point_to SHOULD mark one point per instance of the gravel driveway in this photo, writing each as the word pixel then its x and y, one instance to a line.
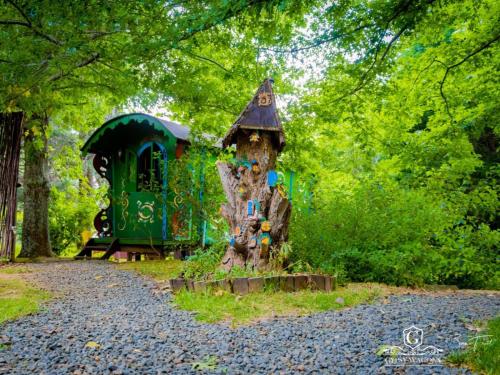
pixel 140 332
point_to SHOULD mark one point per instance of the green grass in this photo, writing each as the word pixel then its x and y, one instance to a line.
pixel 17 298
pixel 208 363
pixel 483 351
pixel 215 307
pixel 9 270
pixel 160 270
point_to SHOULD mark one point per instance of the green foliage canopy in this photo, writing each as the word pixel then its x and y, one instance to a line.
pixel 389 106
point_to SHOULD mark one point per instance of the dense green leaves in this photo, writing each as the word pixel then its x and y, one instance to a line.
pixel 391 107
pixel 424 130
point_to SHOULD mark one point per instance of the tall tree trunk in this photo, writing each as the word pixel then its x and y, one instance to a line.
pixel 11 130
pixel 35 239
pixel 257 212
pixel 257 209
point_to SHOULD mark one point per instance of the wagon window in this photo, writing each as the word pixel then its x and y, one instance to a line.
pixel 149 166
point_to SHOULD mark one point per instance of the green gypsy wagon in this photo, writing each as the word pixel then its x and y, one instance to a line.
pixel 155 206
pixel 133 152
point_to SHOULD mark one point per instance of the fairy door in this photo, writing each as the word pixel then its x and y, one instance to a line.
pixel 141 206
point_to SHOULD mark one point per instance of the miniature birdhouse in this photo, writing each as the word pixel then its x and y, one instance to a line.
pixel 263 211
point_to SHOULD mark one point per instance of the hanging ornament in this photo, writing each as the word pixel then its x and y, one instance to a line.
pixel 266 226
pixel 265 156
pixel 272 178
pixel 255 168
pixel 237 230
pixel 254 137
pixel 257 205
pixel 265 239
pixel 250 208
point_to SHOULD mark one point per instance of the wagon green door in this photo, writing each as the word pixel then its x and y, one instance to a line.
pixel 141 215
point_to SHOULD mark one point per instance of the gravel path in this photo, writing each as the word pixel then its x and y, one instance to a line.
pixel 140 332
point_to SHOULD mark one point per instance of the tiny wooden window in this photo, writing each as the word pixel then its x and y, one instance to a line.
pixel 149 167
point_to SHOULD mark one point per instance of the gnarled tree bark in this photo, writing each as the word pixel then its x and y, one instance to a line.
pixel 11 130
pixel 254 209
pixel 257 209
pixel 35 238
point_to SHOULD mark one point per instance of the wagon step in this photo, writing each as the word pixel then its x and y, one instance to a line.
pixel 97 247
pixel 91 245
pixel 113 247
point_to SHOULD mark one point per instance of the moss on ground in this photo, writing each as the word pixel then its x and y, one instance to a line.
pixel 219 306
pixel 17 297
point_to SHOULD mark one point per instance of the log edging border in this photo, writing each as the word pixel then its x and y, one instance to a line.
pixel 246 285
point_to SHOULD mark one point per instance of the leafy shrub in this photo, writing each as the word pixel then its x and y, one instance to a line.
pixel 204 261
pixel 469 257
pixel 395 236
pixel 70 213
pixel 204 264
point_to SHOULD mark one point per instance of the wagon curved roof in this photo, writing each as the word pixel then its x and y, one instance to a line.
pixel 119 129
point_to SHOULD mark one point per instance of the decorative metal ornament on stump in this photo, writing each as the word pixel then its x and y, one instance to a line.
pixel 257 209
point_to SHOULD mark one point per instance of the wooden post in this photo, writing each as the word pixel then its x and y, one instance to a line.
pixel 257 208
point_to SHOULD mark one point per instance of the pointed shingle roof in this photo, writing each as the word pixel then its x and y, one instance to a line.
pixel 260 114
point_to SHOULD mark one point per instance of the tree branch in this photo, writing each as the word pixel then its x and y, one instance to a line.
pixel 203 58
pixel 317 42
pixel 82 64
pixel 29 25
pixel 231 12
pixel 112 67
pixel 423 70
pixel 364 78
pixel 98 34
pixel 14 22
pixel 463 60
